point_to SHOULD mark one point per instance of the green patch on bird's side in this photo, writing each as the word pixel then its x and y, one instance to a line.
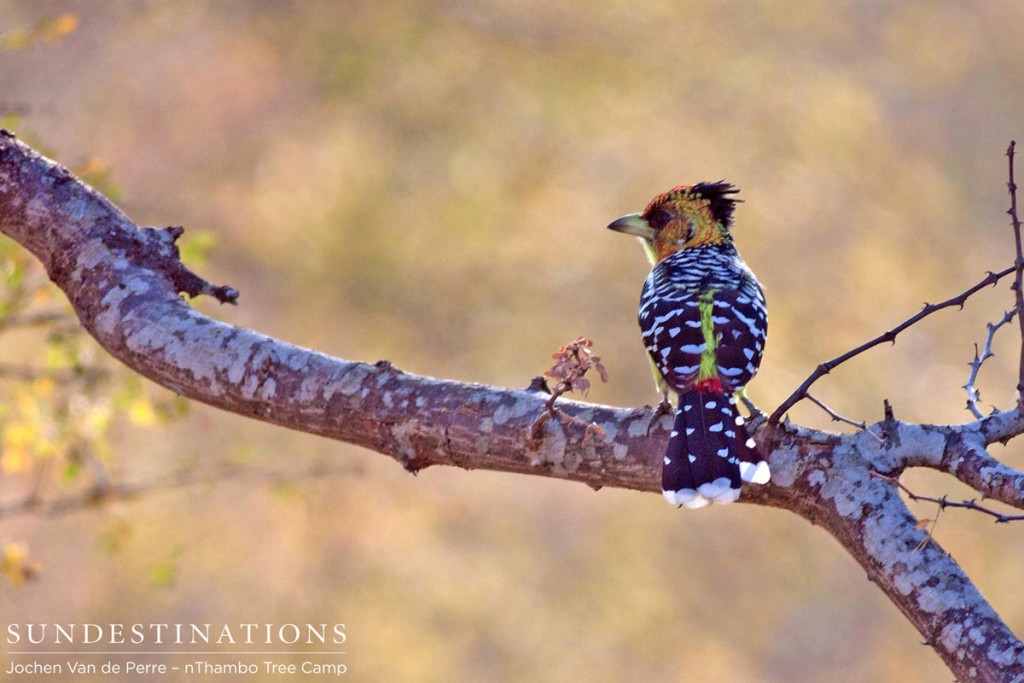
pixel 709 356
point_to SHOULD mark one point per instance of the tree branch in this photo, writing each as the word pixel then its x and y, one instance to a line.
pixel 872 523
pixel 967 459
pixel 123 283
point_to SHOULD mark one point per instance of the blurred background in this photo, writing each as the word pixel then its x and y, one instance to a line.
pixel 429 182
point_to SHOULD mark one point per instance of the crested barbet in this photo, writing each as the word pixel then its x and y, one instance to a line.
pixel 703 321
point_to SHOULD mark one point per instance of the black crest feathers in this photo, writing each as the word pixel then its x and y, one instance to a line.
pixel 720 199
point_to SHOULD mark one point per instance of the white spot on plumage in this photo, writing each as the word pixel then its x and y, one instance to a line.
pixel 749 353
pixel 693 348
pixel 673 332
pixel 674 433
pixel 689 430
pixel 709 404
pixel 717 427
pixel 739 420
pixel 758 473
pixel 750 443
pixel 663 318
pixel 692 458
pixel 666 461
pixel 723 452
pixel 749 322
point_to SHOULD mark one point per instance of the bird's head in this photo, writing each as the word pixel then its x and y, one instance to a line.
pixel 684 217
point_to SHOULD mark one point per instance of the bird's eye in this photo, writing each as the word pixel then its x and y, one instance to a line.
pixel 659 219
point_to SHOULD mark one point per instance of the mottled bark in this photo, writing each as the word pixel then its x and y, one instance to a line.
pixel 124 282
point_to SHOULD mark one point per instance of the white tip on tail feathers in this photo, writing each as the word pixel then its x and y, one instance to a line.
pixel 720 490
pixel 686 497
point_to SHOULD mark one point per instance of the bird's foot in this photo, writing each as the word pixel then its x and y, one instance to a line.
pixel 663 408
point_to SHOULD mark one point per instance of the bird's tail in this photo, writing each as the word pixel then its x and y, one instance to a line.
pixel 709 454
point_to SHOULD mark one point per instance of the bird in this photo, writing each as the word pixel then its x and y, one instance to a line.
pixel 704 322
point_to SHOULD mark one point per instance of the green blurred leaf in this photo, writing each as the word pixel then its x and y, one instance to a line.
pixel 165 573
pixel 50 30
pixel 195 247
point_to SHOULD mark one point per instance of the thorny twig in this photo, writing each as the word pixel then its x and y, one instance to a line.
pixel 889 336
pixel 1018 285
pixel 572 362
pixel 944 502
pixel 836 417
pixel 973 395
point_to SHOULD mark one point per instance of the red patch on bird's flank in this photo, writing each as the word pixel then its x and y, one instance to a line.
pixel 712 385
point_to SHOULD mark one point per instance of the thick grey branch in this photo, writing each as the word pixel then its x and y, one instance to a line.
pixel 959 450
pixel 969 461
pixel 831 485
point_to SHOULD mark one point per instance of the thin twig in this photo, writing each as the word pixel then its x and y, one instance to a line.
pixel 944 503
pixel 1018 284
pixel 973 395
pixel 34 319
pixel 836 417
pixel 890 336
pixel 102 492
pixel 26 373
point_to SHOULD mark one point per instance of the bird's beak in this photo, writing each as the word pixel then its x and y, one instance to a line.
pixel 634 224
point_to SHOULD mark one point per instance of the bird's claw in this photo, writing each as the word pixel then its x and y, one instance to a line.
pixel 663 408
